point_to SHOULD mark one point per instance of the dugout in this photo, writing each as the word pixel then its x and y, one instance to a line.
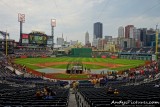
pixel 81 52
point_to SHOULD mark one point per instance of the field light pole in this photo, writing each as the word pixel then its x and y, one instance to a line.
pixel 21 19
pixel 53 24
pixel 157 33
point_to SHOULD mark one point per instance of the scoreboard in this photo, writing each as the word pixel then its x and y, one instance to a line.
pixel 37 38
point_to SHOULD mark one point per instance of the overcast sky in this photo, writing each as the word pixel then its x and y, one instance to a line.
pixel 75 17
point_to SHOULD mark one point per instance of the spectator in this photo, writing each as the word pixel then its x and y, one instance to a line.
pixel 116 92
pixel 52 94
pixel 94 82
pixel 110 91
pixel 75 86
pixel 102 82
pixel 46 91
pixel 39 94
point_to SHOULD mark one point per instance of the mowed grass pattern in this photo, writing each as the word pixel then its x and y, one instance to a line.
pixel 29 62
pixel 85 65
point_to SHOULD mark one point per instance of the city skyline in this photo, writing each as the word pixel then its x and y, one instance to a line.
pixel 73 20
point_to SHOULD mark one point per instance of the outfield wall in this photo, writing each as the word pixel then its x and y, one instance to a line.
pixel 81 52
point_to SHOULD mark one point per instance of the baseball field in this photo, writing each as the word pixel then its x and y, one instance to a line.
pixel 92 63
pixel 60 63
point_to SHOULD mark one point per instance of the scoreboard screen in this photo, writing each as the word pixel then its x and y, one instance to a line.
pixel 37 39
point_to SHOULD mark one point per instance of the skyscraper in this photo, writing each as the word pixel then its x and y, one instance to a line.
pixel 132 32
pixel 86 38
pixel 127 31
pixel 98 30
pixel 121 32
pixel 143 33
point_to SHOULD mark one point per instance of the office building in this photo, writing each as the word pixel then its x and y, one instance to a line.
pixel 98 30
pixel 86 38
pixel 121 32
pixel 127 30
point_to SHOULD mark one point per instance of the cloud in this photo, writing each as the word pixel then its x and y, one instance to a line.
pixel 75 17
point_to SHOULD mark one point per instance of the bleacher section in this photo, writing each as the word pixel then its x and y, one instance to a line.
pixel 126 49
pixel 148 50
pixel 134 50
pixel 24 96
pixel 144 53
pixel 98 97
pixel 85 84
pixel 19 91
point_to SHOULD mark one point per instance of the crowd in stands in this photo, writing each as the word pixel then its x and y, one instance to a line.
pixel 31 53
pixel 128 76
pixel 136 75
pixel 148 71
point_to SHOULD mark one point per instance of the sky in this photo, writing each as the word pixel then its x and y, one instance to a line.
pixel 75 17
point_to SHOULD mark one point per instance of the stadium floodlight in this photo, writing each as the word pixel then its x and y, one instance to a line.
pixel 53 22
pixel 21 17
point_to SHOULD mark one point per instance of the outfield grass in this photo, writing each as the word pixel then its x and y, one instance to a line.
pixel 84 65
pixel 29 62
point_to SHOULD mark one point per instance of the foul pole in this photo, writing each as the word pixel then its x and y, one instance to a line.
pixel 157 33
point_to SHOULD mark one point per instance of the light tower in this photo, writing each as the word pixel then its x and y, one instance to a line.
pixel 53 24
pixel 21 19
